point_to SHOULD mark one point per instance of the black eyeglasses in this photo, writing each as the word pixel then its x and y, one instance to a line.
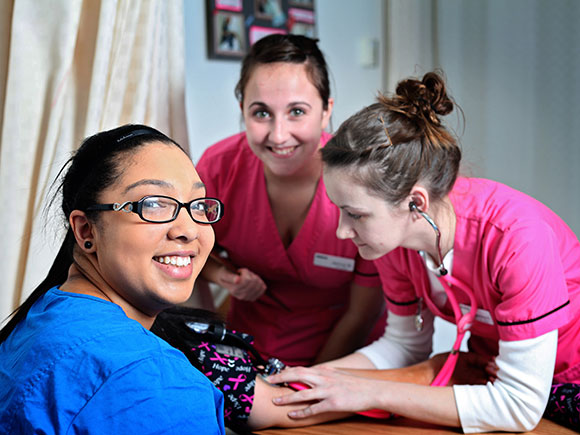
pixel 161 209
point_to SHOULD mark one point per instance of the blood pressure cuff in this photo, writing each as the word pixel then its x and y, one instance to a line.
pixel 220 354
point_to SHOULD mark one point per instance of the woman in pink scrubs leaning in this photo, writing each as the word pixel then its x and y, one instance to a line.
pixel 392 171
pixel 303 294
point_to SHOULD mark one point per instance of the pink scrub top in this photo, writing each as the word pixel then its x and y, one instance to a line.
pixel 308 283
pixel 522 263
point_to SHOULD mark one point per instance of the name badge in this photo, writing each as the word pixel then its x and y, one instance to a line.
pixel 481 315
pixel 334 262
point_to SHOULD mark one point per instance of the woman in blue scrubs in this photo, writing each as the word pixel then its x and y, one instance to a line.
pixel 77 356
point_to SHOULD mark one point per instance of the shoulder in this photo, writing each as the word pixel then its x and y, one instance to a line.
pixel 494 205
pixel 506 227
pixel 226 158
pixel 224 149
pixel 325 137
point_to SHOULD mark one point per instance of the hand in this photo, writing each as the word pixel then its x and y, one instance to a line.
pixel 243 284
pixel 331 390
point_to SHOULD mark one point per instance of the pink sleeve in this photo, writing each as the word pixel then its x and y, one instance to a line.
pixel 204 170
pixel 400 271
pixel 529 275
pixel 365 273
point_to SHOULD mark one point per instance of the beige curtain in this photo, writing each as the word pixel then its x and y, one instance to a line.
pixel 69 68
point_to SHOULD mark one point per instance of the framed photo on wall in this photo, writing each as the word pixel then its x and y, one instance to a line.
pixel 229 36
pixel 234 25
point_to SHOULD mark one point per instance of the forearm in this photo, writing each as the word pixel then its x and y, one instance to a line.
pixel 265 414
pixel 355 360
pixel 421 374
pixel 419 402
pixel 366 304
pixel 470 369
pixel 210 271
pixel 348 335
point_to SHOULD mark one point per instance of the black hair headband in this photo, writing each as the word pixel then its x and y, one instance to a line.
pixel 135 133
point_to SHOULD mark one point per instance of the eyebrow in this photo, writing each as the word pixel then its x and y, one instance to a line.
pixel 292 103
pixel 352 208
pixel 161 183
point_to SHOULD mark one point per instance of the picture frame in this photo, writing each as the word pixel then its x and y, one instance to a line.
pixel 229 38
pixel 234 25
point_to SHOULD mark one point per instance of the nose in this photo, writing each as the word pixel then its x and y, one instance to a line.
pixel 184 228
pixel 279 131
pixel 343 231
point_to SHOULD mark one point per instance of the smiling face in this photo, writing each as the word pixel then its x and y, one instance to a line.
pixel 152 266
pixel 284 116
pixel 373 225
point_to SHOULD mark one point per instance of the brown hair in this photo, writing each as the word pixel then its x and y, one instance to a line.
pixel 287 48
pixel 398 141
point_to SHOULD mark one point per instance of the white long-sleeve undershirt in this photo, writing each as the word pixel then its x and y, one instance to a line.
pixel 517 399
pixel 514 402
pixel 401 345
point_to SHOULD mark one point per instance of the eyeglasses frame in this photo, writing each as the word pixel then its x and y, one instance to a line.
pixel 137 208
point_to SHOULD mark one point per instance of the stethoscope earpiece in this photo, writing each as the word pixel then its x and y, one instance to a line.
pixel 413 207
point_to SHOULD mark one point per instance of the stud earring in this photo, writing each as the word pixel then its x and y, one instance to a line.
pixel 88 245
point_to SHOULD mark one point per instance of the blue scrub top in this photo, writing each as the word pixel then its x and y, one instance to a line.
pixel 78 364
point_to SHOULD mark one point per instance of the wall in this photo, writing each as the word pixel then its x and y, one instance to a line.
pixel 343 25
pixel 514 68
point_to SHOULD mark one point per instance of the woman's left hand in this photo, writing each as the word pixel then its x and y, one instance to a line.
pixel 331 390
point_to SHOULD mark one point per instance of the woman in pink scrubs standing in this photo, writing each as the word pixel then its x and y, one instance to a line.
pixel 392 169
pixel 303 294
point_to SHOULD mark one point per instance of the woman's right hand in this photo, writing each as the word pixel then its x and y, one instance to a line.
pixel 242 284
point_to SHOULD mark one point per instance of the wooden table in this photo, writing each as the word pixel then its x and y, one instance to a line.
pixel 399 426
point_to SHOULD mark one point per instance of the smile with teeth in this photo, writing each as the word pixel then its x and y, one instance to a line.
pixel 283 151
pixel 174 260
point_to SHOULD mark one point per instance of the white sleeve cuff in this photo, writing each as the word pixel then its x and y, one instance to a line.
pixel 401 345
pixel 516 401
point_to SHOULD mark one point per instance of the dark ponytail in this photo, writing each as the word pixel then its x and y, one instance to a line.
pixel 95 166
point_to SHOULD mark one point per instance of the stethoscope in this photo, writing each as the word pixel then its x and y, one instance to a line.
pixel 463 321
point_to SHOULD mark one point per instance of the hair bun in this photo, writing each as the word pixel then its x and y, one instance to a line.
pixel 426 99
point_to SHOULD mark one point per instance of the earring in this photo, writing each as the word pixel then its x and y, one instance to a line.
pixel 88 245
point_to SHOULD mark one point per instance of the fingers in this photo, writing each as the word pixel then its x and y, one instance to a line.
pixel 244 285
pixel 301 396
pixel 228 277
pixel 289 374
pixel 252 282
pixel 492 369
